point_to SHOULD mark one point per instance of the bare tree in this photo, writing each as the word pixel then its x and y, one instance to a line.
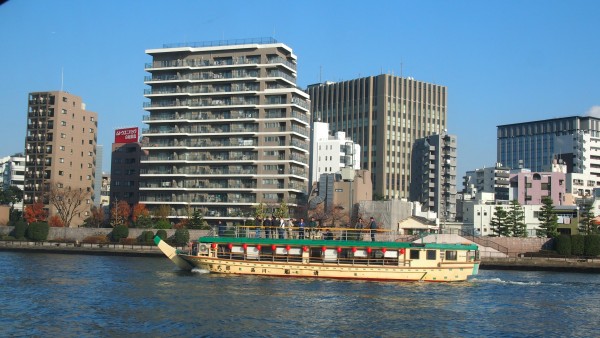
pixel 67 201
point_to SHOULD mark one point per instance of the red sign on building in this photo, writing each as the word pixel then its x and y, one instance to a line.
pixel 126 135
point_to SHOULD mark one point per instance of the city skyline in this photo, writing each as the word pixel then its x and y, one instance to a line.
pixel 504 62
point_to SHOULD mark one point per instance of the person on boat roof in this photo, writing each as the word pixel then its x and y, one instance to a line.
pixel 373 227
pixel 258 224
pixel 312 228
pixel 221 227
pixel 281 228
pixel 301 229
pixel 268 226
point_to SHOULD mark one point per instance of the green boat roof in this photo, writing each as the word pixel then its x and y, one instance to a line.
pixel 336 243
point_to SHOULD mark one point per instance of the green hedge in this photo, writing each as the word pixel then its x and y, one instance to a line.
pixel 563 245
pixel 578 245
pixel 146 237
pixel 162 234
pixel 38 231
pixel 181 236
pixel 162 224
pixel 20 229
pixel 592 245
pixel 119 231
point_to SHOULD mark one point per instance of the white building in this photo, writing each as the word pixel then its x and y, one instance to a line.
pixel 13 173
pixel 331 153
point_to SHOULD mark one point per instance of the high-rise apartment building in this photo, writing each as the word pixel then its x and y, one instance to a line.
pixel 433 176
pixel 60 148
pixel 227 129
pixel 535 145
pixel 125 167
pixel 384 114
pixel 492 179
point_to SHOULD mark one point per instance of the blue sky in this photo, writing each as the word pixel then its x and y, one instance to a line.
pixel 502 61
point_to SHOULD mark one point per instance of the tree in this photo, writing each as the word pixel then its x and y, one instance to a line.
pixel 67 201
pixel 56 222
pixel 139 210
pixel 516 220
pixel 11 196
pixel 320 214
pixel 260 211
pixel 548 219
pixel 162 212
pixel 498 223
pixel 339 216
pixel 282 211
pixel 96 218
pixel 586 220
pixel 120 213
pixel 35 213
pixel 196 220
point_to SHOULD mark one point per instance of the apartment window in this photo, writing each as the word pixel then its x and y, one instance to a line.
pixel 64 111
pixel 87 201
pixel 89 165
pixel 62 148
pixel 63 135
pixel 92 119
pixel 60 185
pixel 90 153
pixel 61 160
pixel 61 173
pixel 64 99
pixel 63 123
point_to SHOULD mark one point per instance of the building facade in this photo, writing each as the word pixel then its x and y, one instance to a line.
pixel 331 153
pixel 13 174
pixel 384 114
pixel 433 174
pixel 493 179
pixel 534 145
pixel 227 129
pixel 60 148
pixel 125 167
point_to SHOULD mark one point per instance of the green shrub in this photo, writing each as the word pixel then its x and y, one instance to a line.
pixel 38 231
pixel 7 238
pixel 563 245
pixel 146 237
pixel 162 234
pixel 162 224
pixel 119 231
pixel 181 236
pixel 592 245
pixel 96 239
pixel 20 229
pixel 577 245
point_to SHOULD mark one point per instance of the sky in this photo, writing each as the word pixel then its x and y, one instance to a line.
pixel 502 61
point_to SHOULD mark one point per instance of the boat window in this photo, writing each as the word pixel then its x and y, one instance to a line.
pixel 414 254
pixel 451 255
pixel 431 255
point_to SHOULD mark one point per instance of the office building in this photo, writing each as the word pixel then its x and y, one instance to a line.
pixel 125 167
pixel 60 149
pixel 227 129
pixel 534 145
pixel 384 114
pixel 433 175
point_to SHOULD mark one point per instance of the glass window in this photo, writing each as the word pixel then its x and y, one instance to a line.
pixel 415 254
pixel 431 255
pixel 451 255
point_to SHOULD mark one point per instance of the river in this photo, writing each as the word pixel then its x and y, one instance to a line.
pixel 83 296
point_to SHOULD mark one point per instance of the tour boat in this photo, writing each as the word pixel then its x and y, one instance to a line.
pixel 341 258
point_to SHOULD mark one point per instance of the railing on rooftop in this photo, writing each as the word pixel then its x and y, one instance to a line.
pixel 263 40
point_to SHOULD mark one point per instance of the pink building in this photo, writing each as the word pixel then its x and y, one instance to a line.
pixel 530 187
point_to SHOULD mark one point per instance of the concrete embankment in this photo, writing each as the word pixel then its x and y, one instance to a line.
pixel 542 264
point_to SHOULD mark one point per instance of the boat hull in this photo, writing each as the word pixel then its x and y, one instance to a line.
pixel 448 273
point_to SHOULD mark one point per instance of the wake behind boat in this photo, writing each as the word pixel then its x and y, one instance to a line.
pixel 340 256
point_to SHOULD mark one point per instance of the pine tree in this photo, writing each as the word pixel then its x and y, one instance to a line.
pixel 586 220
pixel 498 222
pixel 548 219
pixel 516 220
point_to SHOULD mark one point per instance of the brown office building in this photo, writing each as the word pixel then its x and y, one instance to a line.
pixel 227 129
pixel 384 114
pixel 60 149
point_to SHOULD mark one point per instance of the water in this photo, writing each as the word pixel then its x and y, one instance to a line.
pixel 77 296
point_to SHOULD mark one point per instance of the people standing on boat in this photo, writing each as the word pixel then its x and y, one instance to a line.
pixel 268 224
pixel 373 228
pixel 258 224
pixel 221 227
pixel 359 226
pixel 312 228
pixel 301 229
pixel 290 228
pixel 328 235
pixel 281 228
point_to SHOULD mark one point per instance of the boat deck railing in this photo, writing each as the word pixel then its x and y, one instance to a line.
pixel 322 233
